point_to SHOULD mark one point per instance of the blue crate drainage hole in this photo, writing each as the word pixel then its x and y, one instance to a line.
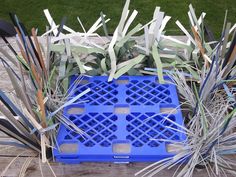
pixel 100 128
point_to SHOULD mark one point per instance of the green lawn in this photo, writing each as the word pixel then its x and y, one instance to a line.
pixel 31 12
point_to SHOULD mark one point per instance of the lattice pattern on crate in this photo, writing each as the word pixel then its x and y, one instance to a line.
pixel 129 111
pixel 143 127
pixel 102 93
pixel 146 92
pixel 100 129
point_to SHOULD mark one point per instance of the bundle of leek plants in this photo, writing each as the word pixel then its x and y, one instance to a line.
pixel 33 111
pixel 209 104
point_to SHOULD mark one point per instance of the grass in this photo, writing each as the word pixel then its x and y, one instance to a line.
pixel 31 12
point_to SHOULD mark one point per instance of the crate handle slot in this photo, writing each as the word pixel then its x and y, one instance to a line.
pixel 122 109
pixel 122 81
pixel 69 148
pixel 174 148
pixel 121 147
pixel 76 110
pixel 168 109
pixel 83 82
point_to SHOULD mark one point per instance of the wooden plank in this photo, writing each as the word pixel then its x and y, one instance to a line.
pixel 77 170
pixel 82 170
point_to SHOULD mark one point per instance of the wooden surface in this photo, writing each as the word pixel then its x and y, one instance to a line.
pixel 83 169
pixel 79 170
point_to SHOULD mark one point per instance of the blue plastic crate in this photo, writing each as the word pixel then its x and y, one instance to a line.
pixel 121 119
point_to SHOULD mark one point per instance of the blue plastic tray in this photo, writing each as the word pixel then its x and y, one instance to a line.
pixel 121 119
